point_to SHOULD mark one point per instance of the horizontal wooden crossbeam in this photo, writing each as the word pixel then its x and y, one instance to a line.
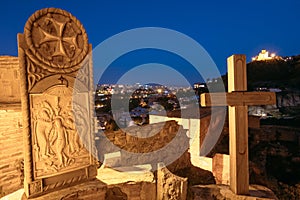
pixel 238 99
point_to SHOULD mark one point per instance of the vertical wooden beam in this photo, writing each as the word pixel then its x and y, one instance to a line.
pixel 237 73
pixel 238 127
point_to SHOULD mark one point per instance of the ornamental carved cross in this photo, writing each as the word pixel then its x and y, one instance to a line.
pixel 59 38
pixel 238 100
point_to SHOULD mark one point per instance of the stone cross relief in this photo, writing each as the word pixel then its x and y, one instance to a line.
pixel 238 100
pixel 59 38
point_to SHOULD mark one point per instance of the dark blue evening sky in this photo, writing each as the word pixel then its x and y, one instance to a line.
pixel 222 27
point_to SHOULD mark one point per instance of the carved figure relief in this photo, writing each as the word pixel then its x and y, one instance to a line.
pixel 57 132
pixel 170 186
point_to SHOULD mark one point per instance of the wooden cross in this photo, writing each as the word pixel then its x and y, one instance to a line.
pixel 238 100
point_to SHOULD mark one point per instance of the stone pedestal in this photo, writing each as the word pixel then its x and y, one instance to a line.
pixel 89 190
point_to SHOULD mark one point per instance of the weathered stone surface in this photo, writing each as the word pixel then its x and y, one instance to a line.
pixel 9 79
pixel 184 168
pixel 196 175
pixel 56 94
pixel 273 158
pixel 128 183
pixel 183 162
pixel 135 150
pixel 170 186
pixel 115 193
pixel 11 148
pixel 288 99
pixel 124 175
pixel 132 190
pixel 90 190
pixel 222 192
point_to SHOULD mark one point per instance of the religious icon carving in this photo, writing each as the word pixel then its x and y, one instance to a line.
pixel 57 143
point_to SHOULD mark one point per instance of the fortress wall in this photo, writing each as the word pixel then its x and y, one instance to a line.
pixel 11 137
pixel 11 148
pixel 9 79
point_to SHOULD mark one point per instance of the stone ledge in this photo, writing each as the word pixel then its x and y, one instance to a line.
pixel 221 192
pixel 115 176
pixel 89 190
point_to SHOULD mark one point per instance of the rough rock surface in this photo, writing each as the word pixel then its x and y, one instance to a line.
pixel 222 192
pixel 274 159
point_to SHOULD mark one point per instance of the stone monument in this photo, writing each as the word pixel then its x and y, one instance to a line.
pixel 57 102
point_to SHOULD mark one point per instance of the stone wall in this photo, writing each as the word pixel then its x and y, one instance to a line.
pixel 192 125
pixel 11 137
pixel 132 190
pixel 287 99
pixel 11 148
pixel 9 79
pixel 141 141
pixel 271 133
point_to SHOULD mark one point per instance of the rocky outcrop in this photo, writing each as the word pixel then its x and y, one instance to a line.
pixel 288 99
pixel 274 158
pixel 222 192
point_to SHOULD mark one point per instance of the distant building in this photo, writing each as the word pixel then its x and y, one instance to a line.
pixel 199 85
pixel 265 55
pixel 200 88
pixel 265 89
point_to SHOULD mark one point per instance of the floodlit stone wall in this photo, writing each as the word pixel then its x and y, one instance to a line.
pixel 11 148
pixel 132 190
pixel 192 125
pixel 9 79
pixel 141 140
pixel 11 138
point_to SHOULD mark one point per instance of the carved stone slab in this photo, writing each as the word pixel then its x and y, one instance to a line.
pixel 57 103
pixel 170 186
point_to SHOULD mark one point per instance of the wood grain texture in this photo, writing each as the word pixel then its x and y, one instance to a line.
pixel 237 73
pixel 238 124
pixel 238 99
pixel 238 149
